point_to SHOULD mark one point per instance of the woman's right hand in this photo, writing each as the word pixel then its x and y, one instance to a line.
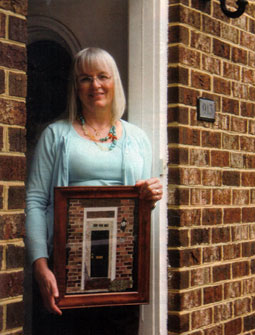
pixel 47 285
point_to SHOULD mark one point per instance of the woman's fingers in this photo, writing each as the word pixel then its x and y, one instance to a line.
pixel 47 284
pixel 150 189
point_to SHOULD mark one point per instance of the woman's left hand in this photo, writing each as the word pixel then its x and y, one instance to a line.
pixel 150 189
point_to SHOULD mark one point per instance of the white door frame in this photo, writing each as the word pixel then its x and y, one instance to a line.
pixel 147 107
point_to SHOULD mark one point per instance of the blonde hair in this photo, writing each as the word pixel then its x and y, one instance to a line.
pixel 86 58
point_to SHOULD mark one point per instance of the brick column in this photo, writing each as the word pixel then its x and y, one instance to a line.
pixel 12 162
pixel 211 170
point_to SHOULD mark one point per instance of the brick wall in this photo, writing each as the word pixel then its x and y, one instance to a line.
pixel 211 170
pixel 12 162
pixel 125 242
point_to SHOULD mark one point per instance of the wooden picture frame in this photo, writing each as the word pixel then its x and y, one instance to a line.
pixel 101 246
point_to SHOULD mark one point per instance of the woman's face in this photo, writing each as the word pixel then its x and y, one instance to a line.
pixel 96 87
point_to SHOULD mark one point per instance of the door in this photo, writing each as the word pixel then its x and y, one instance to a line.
pixel 99 253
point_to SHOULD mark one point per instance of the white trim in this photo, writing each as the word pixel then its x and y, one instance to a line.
pixel 148 23
pixel 46 28
pixel 86 244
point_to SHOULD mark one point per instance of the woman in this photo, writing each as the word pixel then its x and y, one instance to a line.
pixel 94 147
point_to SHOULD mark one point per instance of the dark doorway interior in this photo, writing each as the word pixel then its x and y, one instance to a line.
pixel 48 73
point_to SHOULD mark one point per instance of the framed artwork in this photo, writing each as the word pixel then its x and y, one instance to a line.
pixel 101 246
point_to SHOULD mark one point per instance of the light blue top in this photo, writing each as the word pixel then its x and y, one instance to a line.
pixel 50 168
pixel 89 165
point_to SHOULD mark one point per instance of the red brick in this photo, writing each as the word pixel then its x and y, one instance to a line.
pixel 248 179
pixel 240 233
pixel 15 256
pixel 184 301
pixel 212 254
pixel 246 39
pixel 233 327
pixel 200 196
pixel 248 214
pixel 204 7
pixel 240 269
pixel 210 25
pixel 12 112
pixel 200 276
pixel 231 71
pixel 230 142
pixel 231 178
pixel 16 6
pixel 239 125
pixel 221 49
pixel 221 86
pixel 232 215
pixel 220 234
pixel 1 318
pixel 251 127
pixel 200 42
pixel 12 168
pixel 201 318
pixel 178 156
pixel 216 330
pixel 239 55
pixel 249 286
pixel 222 312
pixel 17 29
pixel 185 257
pixel 13 56
pixel 221 272
pixel 1 197
pixel 173 175
pixel 178 323
pixel 211 139
pixel 231 251
pixel 11 284
pixel 230 33
pixel 247 143
pixel 242 306
pixel 189 136
pixel 211 64
pixel 189 57
pixel 184 217
pixel 178 280
pixel 188 96
pixel 17 139
pixel 178 34
pixel 15 315
pixel 173 134
pixel 232 290
pixel 240 90
pixel 178 196
pixel 16 197
pixel 248 109
pixel 190 176
pixel 200 80
pixel 221 196
pixel 211 178
pixel 17 84
pixel 240 197
pixel 249 322
pixel 212 294
pixel 230 106
pixel 212 216
pixel 248 249
pixel 178 238
pixel 178 114
pixel 236 160
pixel 248 76
pixel 178 75
pixel 200 236
pixel 199 157
pixel 220 158
pixel 252 93
pixel 11 226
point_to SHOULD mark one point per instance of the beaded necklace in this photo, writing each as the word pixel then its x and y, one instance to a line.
pixel 111 135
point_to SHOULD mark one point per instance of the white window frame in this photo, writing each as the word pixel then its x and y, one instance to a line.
pixel 147 107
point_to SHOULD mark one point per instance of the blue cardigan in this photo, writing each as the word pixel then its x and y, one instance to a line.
pixel 50 168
